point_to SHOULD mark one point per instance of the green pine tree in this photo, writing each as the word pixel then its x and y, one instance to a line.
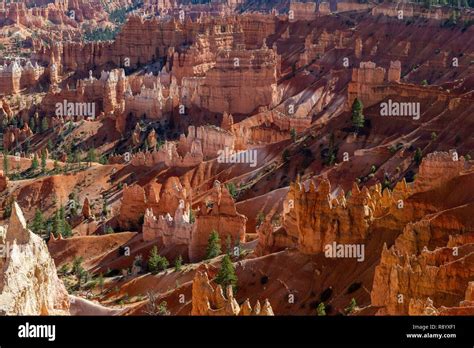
pixel 156 262
pixel 232 189
pixel 226 276
pixel 60 225
pixel 32 124
pixel 56 166
pixel 178 263
pixel 37 225
pixel 293 134
pixel 67 230
pixel 78 270
pixel 44 125
pixel 105 209
pixel 418 156
pixel 321 309
pixel 358 119
pixel 5 163
pixel 34 163
pixel 213 245
pixel 91 156
pixel 352 305
pixel 43 161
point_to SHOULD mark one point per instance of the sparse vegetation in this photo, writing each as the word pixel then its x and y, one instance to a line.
pixel 321 310
pixel 352 306
pixel 293 134
pixel 178 263
pixel 260 218
pixel 156 262
pixel 232 189
pixel 418 156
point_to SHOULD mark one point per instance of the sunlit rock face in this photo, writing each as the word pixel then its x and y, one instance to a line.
pixel 29 284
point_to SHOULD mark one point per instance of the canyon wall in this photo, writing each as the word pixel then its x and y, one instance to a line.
pixel 142 41
pixel 367 78
pixel 411 10
pixel 429 269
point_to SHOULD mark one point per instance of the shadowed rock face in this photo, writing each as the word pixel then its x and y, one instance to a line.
pixel 29 284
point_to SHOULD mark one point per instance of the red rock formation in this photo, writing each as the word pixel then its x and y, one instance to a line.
pixel 366 78
pixel 402 280
pixel 10 78
pixel 14 77
pixel 301 11
pixel 428 269
pixel 13 134
pixel 227 121
pixel 211 139
pixel 411 10
pixel 209 300
pixel 217 213
pixel 141 41
pixel 168 155
pixel 172 230
pixel 345 6
pixel 105 94
pixel 133 206
pixel 319 219
pixel 250 81
pixel 437 168
pixel 161 199
pixel 86 209
pixel 3 181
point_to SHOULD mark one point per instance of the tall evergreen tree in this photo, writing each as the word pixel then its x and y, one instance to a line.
pixel 37 225
pixel 358 118
pixel 418 156
pixel 294 134
pixel 213 245
pixel 44 125
pixel 226 276
pixel 91 156
pixel 32 124
pixel 5 162
pixel 178 263
pixel 105 209
pixel 43 161
pixel 34 162
pixel 60 225
pixel 156 262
